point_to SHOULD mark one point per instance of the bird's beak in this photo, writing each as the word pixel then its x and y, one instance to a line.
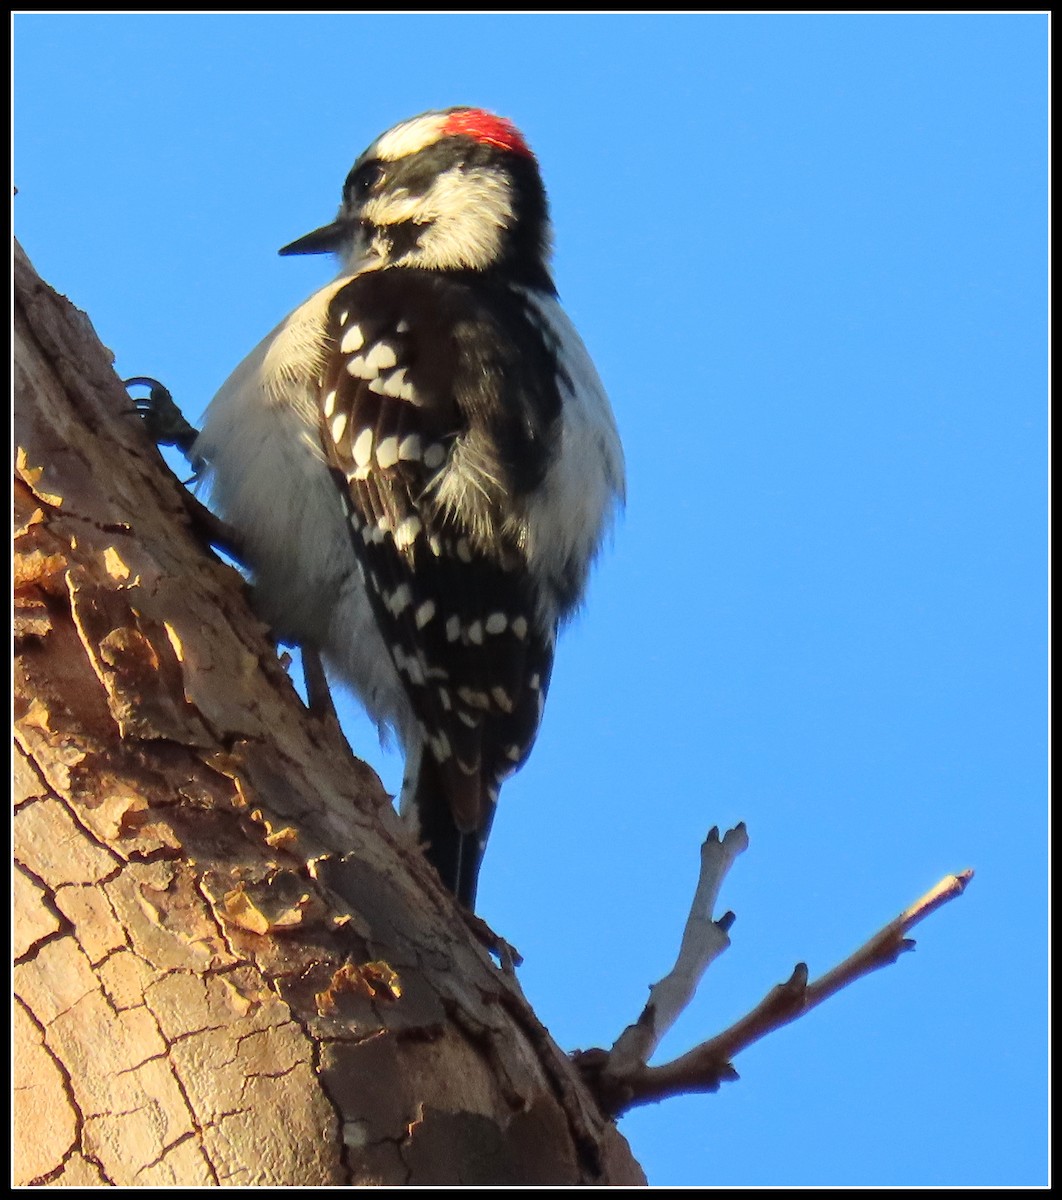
pixel 329 239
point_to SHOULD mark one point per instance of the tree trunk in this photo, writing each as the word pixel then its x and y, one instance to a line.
pixel 232 963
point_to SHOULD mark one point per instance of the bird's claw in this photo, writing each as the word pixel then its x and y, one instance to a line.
pixel 161 416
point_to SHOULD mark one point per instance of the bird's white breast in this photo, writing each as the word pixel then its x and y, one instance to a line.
pixel 262 461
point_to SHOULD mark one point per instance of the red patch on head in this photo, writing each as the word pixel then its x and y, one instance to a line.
pixel 483 126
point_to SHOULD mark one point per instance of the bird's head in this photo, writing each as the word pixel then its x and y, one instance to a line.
pixel 454 190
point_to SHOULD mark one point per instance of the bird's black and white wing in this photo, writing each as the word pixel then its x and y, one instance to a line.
pixel 436 431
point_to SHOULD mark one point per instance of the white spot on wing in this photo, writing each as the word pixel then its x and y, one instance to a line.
pixel 362 449
pixel 381 357
pixel 409 447
pixel 353 339
pixel 424 613
pixel 434 455
pixel 339 426
pixel 440 747
pixel 399 599
pixel 496 623
pixel 387 451
pixel 395 385
pixel 407 531
pixel 383 527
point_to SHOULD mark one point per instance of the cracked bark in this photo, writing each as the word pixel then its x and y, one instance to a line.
pixel 232 965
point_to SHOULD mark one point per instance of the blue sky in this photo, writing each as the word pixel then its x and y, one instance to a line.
pixel 808 255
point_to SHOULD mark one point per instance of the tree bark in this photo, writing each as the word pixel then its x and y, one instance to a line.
pixel 232 963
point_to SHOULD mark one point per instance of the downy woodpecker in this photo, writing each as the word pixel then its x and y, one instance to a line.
pixel 421 463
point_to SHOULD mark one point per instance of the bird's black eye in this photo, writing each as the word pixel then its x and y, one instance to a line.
pixel 361 181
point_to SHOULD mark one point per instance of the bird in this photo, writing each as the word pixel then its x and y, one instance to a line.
pixel 421 464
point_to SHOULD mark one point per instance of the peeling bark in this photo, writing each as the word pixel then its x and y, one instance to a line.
pixel 233 966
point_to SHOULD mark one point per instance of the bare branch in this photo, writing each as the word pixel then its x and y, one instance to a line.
pixel 703 940
pixel 707 1065
pixel 888 944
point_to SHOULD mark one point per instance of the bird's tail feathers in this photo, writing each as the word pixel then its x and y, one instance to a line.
pixel 454 852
